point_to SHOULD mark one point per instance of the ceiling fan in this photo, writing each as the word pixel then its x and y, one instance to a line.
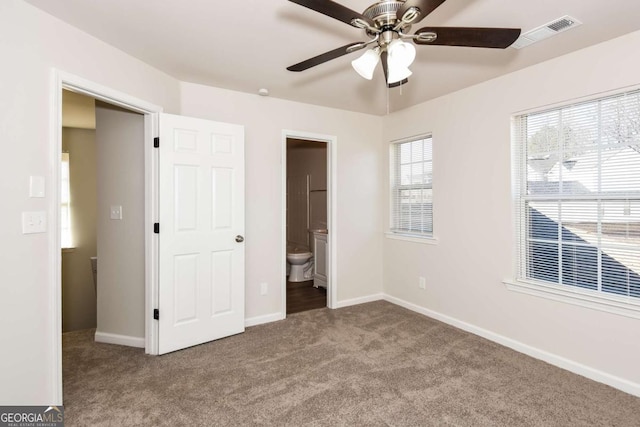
pixel 387 24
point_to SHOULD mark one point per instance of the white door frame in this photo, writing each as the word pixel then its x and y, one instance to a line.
pixel 61 80
pixel 332 223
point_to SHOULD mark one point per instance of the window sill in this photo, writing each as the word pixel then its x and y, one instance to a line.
pixel 623 306
pixel 411 238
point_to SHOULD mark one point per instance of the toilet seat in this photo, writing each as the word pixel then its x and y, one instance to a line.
pixel 296 252
pixel 299 255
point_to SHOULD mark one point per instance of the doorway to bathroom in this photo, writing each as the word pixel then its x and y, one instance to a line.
pixel 307 219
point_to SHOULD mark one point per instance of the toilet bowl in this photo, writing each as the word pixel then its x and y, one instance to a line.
pixel 298 258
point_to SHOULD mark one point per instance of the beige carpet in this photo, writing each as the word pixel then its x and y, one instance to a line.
pixel 374 364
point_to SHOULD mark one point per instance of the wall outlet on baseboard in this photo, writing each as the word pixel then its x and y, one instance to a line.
pixel 422 282
pixel 264 288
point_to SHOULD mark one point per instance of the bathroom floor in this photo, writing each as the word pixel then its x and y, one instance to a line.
pixel 302 296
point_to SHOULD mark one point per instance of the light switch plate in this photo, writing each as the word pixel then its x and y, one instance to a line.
pixel 115 212
pixel 34 222
pixel 36 186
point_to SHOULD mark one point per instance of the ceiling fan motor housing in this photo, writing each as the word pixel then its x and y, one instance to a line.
pixel 384 15
pixel 384 12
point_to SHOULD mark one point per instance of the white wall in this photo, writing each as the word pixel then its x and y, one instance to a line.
pixel 33 42
pixel 78 290
pixel 121 278
pixel 359 240
pixel 473 212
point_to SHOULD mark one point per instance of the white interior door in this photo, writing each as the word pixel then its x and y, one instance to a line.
pixel 201 213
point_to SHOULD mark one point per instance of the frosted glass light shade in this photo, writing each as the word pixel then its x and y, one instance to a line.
pixel 397 73
pixel 401 53
pixel 366 64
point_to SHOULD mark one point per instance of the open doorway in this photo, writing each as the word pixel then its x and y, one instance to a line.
pixel 148 114
pixel 102 220
pixel 306 224
pixel 186 142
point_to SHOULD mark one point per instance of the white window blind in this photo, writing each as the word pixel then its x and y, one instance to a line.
pixel 65 203
pixel 412 187
pixel 578 202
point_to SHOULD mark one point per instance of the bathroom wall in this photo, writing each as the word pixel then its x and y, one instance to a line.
pixel 78 292
pixel 306 159
pixel 120 144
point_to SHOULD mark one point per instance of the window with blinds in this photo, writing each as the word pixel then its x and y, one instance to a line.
pixel 412 187
pixel 578 203
pixel 65 205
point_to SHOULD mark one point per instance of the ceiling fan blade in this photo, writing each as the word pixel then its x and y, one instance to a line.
pixel 497 38
pixel 385 68
pixel 334 10
pixel 327 56
pixel 425 6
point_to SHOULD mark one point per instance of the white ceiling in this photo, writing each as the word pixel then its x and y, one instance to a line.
pixel 246 45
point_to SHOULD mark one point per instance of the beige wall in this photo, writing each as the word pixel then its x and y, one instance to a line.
pixel 33 43
pixel 473 213
pixel 121 287
pixel 78 291
pixel 359 237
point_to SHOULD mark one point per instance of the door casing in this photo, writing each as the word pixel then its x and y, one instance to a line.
pixel 62 80
pixel 332 223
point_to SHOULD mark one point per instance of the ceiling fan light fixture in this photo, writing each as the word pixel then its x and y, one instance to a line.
pixel 401 53
pixel 366 64
pixel 397 73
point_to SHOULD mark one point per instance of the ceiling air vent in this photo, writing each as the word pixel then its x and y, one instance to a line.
pixel 545 31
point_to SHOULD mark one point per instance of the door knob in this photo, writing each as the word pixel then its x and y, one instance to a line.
pixel 239 239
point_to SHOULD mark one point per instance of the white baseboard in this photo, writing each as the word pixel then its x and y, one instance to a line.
pixel 267 318
pixel 553 359
pixel 107 338
pixel 274 317
pixel 359 300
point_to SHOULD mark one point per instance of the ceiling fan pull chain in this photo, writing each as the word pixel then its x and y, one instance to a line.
pixel 388 90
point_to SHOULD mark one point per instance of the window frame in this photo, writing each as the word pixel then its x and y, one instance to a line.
pixel 394 164
pixel 66 232
pixel 628 306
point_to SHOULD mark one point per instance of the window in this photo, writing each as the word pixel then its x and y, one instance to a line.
pixel 577 173
pixel 412 188
pixel 65 210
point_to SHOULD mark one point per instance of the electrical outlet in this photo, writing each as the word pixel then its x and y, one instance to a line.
pixel 264 288
pixel 422 282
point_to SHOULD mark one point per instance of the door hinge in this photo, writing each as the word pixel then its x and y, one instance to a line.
pixel 156 142
pixel 156 313
pixel 156 228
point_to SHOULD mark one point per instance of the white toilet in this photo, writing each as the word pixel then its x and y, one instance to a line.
pixel 298 257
